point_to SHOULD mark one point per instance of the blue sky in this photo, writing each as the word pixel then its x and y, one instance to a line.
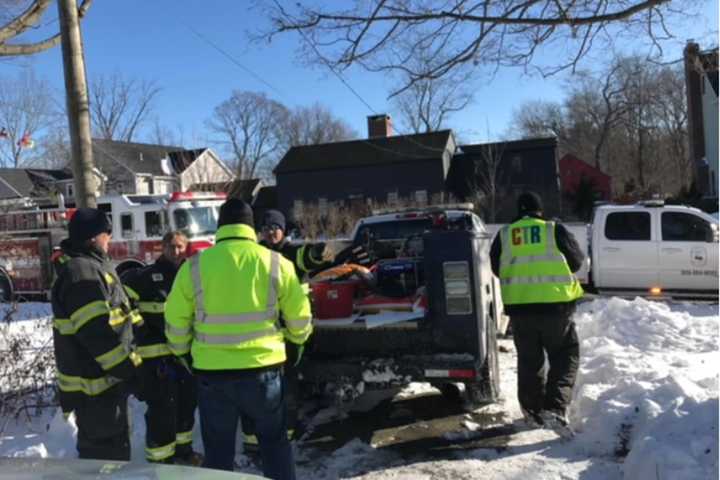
pixel 151 40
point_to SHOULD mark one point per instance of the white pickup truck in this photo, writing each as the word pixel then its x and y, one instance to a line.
pixel 649 249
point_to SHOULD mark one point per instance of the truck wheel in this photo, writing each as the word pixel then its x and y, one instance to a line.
pixel 6 287
pixel 487 389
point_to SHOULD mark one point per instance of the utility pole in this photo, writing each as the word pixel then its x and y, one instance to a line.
pixel 77 103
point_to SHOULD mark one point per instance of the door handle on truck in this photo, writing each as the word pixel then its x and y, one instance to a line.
pixel 611 249
pixel 671 250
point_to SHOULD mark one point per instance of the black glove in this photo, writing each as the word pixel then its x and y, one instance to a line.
pixel 353 254
pixel 294 353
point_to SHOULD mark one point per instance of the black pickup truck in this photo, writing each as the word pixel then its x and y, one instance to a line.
pixel 449 342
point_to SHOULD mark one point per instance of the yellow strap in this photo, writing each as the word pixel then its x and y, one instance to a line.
pixel 135 359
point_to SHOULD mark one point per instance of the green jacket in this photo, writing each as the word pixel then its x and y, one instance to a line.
pixel 225 304
pixel 532 268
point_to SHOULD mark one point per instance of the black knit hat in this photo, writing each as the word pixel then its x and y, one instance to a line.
pixel 529 202
pixel 86 223
pixel 274 217
pixel 235 210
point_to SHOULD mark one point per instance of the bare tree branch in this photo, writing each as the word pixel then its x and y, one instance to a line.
pixel 119 106
pixel 28 19
pixel 489 32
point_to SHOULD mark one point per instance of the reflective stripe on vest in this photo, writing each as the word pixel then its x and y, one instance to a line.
pixel 542 275
pixel 201 317
pixel 153 351
pixel 182 438
pixel 112 358
pixel 157 454
pixel 88 386
pixel 151 307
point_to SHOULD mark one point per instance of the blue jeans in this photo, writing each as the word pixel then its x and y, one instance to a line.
pixel 258 395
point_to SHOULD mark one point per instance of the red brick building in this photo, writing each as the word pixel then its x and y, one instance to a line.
pixel 572 170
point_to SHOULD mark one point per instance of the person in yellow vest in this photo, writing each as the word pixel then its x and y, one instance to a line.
pixel 224 310
pixel 535 260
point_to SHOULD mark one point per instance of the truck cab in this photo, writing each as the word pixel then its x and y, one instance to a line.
pixel 654 248
pixel 439 256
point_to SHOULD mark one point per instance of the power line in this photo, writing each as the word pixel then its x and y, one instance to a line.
pixel 232 59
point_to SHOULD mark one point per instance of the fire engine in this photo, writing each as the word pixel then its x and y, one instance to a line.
pixel 28 237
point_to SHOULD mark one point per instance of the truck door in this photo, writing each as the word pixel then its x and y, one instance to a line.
pixel 688 252
pixel 627 251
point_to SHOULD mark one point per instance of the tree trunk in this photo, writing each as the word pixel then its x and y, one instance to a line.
pixel 77 103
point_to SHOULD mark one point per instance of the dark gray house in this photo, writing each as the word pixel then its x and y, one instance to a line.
pixel 382 169
pixel 515 166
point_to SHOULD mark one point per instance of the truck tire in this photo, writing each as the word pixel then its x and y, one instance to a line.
pixel 487 389
pixel 6 287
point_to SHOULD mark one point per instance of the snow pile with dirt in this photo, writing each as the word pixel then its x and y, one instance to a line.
pixel 646 406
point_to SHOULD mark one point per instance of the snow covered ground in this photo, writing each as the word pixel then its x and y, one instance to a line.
pixel 645 407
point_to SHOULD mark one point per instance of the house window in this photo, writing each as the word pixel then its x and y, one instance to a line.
pixel 153 224
pixel 297 208
pixel 392 198
pixel 126 225
pixel 421 197
pixel 323 205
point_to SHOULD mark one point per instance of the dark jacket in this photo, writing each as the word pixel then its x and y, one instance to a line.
pixel 574 256
pixel 307 257
pixel 92 327
pixel 149 288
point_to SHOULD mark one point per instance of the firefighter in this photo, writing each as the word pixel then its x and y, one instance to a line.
pixel 92 335
pixel 171 403
pixel 307 258
pixel 535 260
pixel 224 309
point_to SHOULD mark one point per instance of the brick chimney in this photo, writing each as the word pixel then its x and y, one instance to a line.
pixel 379 126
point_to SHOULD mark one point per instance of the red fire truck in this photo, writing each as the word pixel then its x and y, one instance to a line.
pixel 28 237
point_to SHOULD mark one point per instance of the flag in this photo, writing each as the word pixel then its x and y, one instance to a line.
pixel 26 141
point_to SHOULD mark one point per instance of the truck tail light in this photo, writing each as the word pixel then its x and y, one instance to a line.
pixel 458 298
pixel 451 373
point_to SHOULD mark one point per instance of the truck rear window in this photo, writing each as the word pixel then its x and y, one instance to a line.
pixel 394 230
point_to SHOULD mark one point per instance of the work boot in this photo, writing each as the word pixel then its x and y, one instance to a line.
pixel 557 423
pixel 532 419
pixel 191 458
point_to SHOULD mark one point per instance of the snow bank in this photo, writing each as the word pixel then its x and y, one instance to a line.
pixel 648 385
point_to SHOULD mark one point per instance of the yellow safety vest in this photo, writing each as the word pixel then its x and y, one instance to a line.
pixel 532 268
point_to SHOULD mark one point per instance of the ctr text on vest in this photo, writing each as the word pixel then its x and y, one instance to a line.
pixel 525 235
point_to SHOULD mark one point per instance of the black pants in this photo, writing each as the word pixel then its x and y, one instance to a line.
pixel 171 400
pixel 102 423
pixel 535 336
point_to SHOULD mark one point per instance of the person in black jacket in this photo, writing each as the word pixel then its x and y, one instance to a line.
pixel 541 309
pixel 93 339
pixel 170 415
